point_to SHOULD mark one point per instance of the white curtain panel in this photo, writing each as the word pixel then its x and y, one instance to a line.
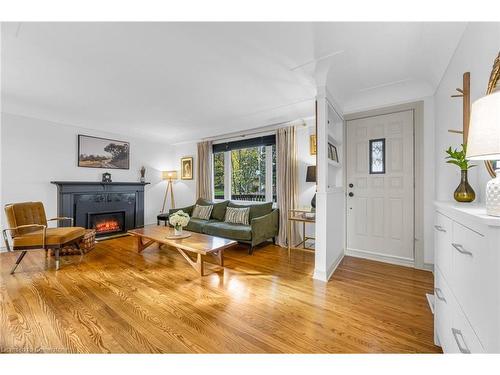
pixel 286 181
pixel 204 171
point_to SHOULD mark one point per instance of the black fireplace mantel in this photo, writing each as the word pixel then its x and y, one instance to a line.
pixel 80 199
pixel 62 183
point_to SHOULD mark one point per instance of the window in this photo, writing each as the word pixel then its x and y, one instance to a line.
pixel 245 170
pixel 219 175
pixel 377 156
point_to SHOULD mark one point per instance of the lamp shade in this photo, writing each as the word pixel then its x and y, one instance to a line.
pixel 169 175
pixel 311 173
pixel 483 142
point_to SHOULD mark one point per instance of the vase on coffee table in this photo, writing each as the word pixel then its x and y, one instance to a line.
pixel 178 230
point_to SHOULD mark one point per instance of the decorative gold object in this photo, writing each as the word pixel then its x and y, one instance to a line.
pixel 492 86
pixel 312 144
pixel 464 192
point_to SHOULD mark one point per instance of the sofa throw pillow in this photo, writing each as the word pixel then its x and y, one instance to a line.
pixel 202 212
pixel 237 215
pixel 256 209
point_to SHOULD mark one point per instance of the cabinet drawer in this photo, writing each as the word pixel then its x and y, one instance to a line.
pixel 474 282
pixel 454 332
pixel 443 313
pixel 463 337
pixel 442 243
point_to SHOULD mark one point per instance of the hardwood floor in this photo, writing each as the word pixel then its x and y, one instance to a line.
pixel 115 300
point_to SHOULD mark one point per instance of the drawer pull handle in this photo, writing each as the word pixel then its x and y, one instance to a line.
pixel 463 349
pixel 440 228
pixel 461 249
pixel 439 294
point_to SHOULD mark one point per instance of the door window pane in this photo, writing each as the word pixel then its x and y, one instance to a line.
pixel 248 177
pixel 219 175
pixel 377 156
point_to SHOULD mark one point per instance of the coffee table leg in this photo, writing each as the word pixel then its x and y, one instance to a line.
pixel 141 245
pixel 199 263
pixel 221 258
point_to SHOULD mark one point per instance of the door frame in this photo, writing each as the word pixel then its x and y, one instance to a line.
pixel 418 164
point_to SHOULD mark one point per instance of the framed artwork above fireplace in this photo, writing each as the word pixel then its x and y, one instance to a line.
pixel 95 152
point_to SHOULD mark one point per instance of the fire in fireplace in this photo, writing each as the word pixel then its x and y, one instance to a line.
pixel 107 222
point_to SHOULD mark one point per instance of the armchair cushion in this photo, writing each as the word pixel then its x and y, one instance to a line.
pixel 23 214
pixel 54 237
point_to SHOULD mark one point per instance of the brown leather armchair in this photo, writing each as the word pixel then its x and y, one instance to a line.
pixel 28 230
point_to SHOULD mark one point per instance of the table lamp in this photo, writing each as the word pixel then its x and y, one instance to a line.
pixel 311 177
pixel 169 176
pixel 483 143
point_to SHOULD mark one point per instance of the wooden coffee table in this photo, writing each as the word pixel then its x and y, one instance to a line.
pixel 199 244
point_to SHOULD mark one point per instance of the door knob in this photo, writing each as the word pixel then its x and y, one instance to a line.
pixel 351 194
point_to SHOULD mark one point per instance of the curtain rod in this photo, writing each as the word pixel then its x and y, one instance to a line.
pixel 267 129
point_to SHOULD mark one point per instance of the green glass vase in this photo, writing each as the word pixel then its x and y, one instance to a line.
pixel 464 192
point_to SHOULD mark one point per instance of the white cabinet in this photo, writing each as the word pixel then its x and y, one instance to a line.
pixel 467 288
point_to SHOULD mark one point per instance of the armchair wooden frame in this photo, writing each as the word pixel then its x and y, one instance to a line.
pixel 24 249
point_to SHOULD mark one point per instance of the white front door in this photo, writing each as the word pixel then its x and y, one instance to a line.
pixel 380 187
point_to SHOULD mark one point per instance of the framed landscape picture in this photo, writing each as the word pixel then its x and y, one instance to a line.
pixel 187 168
pixel 95 152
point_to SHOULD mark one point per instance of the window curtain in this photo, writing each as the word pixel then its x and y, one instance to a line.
pixel 286 182
pixel 204 171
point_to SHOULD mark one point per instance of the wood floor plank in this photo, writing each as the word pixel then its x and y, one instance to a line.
pixel 115 300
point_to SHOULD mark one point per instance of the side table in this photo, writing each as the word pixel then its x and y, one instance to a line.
pixel 162 217
pixel 304 217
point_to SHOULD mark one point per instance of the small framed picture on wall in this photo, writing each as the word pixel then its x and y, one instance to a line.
pixel 187 168
pixel 332 152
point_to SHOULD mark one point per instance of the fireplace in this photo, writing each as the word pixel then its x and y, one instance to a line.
pixel 106 223
pixel 110 208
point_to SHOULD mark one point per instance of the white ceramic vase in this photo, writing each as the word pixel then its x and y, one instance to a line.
pixel 493 195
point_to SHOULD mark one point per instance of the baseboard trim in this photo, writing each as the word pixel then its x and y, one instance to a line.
pixel 428 267
pixel 325 276
pixel 380 257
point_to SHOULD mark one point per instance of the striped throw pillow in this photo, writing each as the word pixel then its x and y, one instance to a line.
pixel 237 215
pixel 202 212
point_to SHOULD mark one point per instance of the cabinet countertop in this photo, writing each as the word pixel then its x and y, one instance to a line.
pixel 473 211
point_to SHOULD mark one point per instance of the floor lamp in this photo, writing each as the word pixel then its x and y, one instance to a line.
pixel 170 176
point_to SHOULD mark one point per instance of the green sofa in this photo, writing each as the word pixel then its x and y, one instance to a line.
pixel 264 222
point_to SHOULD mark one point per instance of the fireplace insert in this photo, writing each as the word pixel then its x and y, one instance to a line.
pixel 106 223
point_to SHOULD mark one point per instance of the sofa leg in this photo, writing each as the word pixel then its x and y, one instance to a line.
pixel 274 240
pixel 250 250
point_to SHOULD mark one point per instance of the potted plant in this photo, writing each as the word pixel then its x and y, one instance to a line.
pixel 464 192
pixel 178 220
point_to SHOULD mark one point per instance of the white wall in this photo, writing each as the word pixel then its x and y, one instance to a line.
pixel 475 53
pixel 1 201
pixel 35 152
pixel 185 190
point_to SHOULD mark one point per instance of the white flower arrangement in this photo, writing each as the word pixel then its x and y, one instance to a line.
pixel 179 219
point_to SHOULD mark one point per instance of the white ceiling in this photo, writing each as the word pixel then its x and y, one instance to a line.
pixel 183 81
